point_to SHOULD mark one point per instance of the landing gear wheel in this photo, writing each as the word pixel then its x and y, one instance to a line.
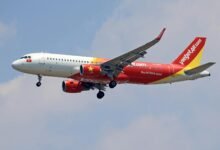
pixel 38 84
pixel 100 95
pixel 112 84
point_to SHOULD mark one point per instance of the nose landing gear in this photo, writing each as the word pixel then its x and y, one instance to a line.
pixel 38 84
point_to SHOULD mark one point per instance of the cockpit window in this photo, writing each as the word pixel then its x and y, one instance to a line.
pixel 25 57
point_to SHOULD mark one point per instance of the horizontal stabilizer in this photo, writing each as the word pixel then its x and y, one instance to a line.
pixel 199 68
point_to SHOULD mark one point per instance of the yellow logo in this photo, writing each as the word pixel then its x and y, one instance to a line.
pixel 90 69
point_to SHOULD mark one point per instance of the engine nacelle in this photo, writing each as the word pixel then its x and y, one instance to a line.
pixel 72 86
pixel 90 70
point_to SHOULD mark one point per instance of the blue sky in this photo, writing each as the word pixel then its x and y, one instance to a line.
pixel 178 116
pixel 62 27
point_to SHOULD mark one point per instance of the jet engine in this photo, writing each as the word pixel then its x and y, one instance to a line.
pixel 72 86
pixel 90 70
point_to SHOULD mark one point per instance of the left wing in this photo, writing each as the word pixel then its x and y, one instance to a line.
pixel 114 66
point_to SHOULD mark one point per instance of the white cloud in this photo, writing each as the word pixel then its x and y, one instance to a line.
pixel 165 132
pixel 149 132
pixel 22 92
pixel 26 111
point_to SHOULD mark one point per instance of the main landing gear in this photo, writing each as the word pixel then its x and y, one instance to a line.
pixel 112 84
pixel 100 94
pixel 38 84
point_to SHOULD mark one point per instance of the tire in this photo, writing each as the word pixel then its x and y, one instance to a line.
pixel 100 95
pixel 112 84
pixel 38 84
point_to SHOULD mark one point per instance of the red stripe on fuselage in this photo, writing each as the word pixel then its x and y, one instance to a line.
pixel 138 73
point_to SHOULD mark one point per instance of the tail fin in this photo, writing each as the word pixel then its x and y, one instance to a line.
pixel 192 55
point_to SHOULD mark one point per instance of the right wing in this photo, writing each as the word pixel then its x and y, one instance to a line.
pixel 114 66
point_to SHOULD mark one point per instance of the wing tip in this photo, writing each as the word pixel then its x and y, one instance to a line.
pixel 212 63
pixel 161 34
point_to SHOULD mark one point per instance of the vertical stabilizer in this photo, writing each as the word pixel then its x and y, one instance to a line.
pixel 192 55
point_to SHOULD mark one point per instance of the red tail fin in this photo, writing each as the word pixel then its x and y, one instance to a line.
pixel 192 55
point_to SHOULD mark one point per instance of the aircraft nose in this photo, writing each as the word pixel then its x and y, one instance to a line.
pixel 16 64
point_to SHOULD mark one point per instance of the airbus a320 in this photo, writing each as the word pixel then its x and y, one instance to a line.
pixel 89 73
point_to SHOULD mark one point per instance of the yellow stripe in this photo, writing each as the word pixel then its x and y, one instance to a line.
pixel 194 63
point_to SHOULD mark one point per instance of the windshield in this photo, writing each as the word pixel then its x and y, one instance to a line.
pixel 25 57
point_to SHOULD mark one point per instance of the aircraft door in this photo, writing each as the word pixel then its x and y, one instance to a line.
pixel 42 66
pixel 42 59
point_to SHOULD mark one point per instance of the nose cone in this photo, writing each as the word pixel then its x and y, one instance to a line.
pixel 16 65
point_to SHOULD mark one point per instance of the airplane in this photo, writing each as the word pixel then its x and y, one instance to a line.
pixel 90 73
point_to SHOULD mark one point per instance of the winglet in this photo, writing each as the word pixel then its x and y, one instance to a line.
pixel 161 34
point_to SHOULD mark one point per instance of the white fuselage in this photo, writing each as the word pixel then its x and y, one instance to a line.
pixel 47 64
